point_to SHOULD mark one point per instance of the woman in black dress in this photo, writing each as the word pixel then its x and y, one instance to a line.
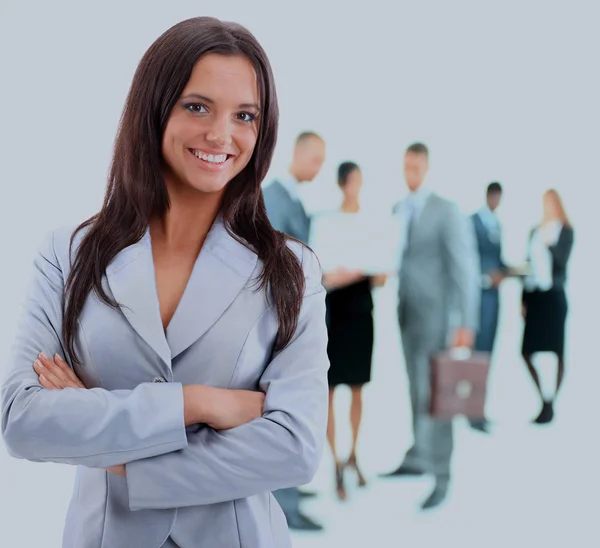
pixel 544 299
pixel 350 326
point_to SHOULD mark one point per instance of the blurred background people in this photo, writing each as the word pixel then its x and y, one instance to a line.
pixel 544 299
pixel 438 278
pixel 493 270
pixel 350 327
pixel 287 214
pixel 282 199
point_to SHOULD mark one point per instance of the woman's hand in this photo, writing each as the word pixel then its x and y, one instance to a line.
pixel 379 280
pixel 221 408
pixel 341 277
pixel 55 374
pixel 118 470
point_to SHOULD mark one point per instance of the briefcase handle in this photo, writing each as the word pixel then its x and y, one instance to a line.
pixel 460 353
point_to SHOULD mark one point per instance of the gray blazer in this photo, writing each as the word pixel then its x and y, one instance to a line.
pixel 286 214
pixel 439 275
pixel 197 487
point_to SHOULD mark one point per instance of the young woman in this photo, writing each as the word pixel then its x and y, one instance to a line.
pixel 544 299
pixel 173 346
pixel 350 348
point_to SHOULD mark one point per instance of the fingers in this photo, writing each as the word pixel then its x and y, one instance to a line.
pixel 70 374
pixel 56 373
pixel 46 383
pixel 119 470
pixel 45 367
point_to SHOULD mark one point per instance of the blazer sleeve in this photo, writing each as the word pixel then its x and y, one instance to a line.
pixel 96 427
pixel 561 251
pixel 280 449
pixel 461 255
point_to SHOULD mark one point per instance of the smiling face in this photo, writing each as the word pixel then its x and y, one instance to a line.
pixel 213 128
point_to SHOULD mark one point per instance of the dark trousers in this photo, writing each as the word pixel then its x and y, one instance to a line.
pixel 488 326
pixel 488 320
pixel 289 500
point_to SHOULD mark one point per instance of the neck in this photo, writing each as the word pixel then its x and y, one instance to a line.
pixel 294 172
pixel 188 220
pixel 350 205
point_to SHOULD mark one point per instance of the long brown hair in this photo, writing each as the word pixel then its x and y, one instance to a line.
pixel 562 214
pixel 136 189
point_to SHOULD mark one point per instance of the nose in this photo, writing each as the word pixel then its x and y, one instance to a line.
pixel 219 132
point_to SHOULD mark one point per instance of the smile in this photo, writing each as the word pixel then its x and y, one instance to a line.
pixel 211 158
pixel 213 162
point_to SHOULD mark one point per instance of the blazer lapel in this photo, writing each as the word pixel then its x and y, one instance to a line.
pixel 131 279
pixel 221 271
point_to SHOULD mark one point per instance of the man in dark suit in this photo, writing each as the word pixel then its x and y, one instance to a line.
pixel 287 214
pixel 493 271
pixel 282 198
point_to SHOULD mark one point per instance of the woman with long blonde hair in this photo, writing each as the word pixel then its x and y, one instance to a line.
pixel 544 299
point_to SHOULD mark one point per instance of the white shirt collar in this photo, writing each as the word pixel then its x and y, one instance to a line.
pixel 417 198
pixel 488 217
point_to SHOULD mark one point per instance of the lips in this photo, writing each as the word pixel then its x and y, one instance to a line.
pixel 210 160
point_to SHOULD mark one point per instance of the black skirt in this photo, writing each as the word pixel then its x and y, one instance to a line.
pixel 545 321
pixel 350 327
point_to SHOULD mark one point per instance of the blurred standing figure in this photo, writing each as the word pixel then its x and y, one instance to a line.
pixel 350 327
pixel 493 271
pixel 282 198
pixel 287 214
pixel 544 299
pixel 438 278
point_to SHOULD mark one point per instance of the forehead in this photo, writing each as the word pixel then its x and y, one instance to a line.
pixel 224 78
pixel 413 157
pixel 314 145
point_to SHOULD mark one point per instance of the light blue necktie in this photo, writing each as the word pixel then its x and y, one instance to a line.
pixel 410 211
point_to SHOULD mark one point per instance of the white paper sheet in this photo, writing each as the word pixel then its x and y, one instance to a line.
pixel 357 241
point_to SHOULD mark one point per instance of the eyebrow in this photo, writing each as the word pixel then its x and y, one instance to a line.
pixel 210 101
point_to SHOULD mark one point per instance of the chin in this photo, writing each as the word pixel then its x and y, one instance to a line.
pixel 207 184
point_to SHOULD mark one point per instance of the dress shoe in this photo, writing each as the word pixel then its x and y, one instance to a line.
pixel 546 414
pixel 403 471
pixel 307 494
pixel 300 522
pixel 481 426
pixel 437 496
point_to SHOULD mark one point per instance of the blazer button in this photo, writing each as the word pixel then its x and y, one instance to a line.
pixel 159 379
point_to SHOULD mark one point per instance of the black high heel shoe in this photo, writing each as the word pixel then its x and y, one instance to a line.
pixel 339 481
pixel 362 482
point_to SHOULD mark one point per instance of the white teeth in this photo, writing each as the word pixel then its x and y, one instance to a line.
pixel 213 159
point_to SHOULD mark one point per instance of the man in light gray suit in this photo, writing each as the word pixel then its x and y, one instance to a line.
pixel 287 214
pixel 439 283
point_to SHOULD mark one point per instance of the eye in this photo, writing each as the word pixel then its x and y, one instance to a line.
pixel 195 108
pixel 246 117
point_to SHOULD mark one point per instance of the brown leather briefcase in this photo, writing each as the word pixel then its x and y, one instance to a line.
pixel 458 383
